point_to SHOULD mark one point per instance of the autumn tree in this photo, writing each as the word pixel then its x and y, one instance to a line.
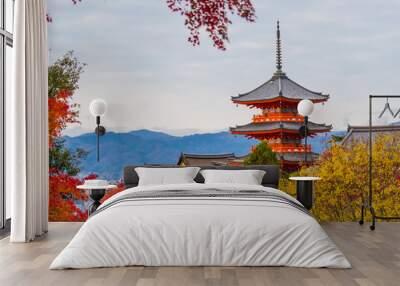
pixel 344 179
pixel 213 16
pixel 62 160
pixel 63 77
pixel 262 154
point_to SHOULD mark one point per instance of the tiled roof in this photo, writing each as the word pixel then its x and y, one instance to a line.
pixel 297 157
pixel 280 85
pixel 361 133
pixel 268 126
pixel 205 159
pixel 208 156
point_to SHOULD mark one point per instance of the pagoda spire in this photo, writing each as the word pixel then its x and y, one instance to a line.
pixel 278 51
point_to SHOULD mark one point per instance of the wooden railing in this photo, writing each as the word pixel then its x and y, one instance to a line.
pixel 290 148
pixel 273 117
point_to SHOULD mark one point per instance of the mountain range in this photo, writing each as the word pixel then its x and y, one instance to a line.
pixel 150 147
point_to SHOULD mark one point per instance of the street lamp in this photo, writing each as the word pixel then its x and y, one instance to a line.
pixel 98 107
pixel 305 108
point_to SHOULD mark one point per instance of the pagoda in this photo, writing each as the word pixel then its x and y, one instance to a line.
pixel 279 122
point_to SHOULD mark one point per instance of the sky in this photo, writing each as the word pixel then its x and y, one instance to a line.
pixel 139 61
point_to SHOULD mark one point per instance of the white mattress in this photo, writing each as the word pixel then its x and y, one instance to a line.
pixel 200 231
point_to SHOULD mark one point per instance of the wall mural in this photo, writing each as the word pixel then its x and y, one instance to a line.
pixel 167 99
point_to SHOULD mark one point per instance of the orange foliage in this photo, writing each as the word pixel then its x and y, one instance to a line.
pixel 61 113
pixel 212 16
pixel 62 196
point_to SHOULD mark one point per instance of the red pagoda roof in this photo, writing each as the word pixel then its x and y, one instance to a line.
pixel 271 127
pixel 279 87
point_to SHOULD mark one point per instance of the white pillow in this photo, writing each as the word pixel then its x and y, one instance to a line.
pixel 248 177
pixel 166 176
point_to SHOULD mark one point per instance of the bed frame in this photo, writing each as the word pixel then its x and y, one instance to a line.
pixel 270 179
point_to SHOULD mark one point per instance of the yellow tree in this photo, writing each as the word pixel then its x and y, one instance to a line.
pixel 344 174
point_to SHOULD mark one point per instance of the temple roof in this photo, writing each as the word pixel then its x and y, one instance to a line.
pixel 270 126
pixel 205 159
pixel 208 156
pixel 361 133
pixel 280 86
pixel 297 157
